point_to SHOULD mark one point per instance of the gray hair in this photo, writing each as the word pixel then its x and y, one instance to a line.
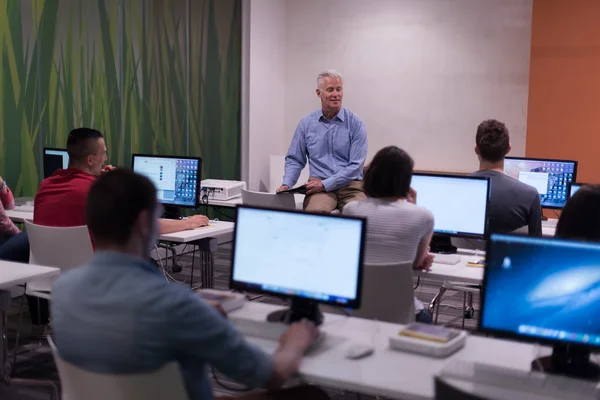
pixel 330 73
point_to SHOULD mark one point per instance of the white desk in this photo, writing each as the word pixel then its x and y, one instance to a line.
pixel 220 230
pixel 387 372
pixel 458 272
pixel 232 203
pixel 19 216
pixel 207 239
pixel 12 274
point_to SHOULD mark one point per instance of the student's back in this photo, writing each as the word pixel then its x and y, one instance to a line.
pixel 513 204
pixel 394 229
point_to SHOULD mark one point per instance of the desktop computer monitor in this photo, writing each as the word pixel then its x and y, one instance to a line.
pixel 574 187
pixel 308 258
pixel 177 179
pixel 545 290
pixel 550 177
pixel 54 159
pixel 459 205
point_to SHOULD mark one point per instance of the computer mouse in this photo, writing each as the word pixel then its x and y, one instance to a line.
pixel 358 351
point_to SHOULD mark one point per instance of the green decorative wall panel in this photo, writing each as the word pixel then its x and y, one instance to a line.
pixel 155 76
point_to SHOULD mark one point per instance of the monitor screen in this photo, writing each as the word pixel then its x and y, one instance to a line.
pixel 542 289
pixel 574 187
pixel 177 179
pixel 296 254
pixel 550 177
pixel 458 203
pixel 54 159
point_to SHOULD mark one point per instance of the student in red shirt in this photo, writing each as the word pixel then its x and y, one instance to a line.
pixel 61 198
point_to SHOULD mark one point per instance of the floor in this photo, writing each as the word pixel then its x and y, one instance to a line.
pixel 35 361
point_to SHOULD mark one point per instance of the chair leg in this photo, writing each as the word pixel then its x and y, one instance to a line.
pixel 16 347
pixel 464 308
pixel 437 300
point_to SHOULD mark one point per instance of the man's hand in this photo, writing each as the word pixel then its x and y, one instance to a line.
pixel 412 196
pixel 196 221
pixel 298 337
pixel 282 187
pixel 314 186
pixel 426 263
pixel 107 168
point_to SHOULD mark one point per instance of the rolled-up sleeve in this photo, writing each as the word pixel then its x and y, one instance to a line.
pixel 200 331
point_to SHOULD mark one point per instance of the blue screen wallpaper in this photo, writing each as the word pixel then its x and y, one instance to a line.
pixel 543 288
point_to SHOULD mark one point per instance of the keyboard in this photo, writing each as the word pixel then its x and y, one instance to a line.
pixel 537 383
pixel 268 330
pixel 449 259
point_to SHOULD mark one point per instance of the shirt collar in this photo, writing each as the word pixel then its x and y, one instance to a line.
pixel 340 115
pixel 102 258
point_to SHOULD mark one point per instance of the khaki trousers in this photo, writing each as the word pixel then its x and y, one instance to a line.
pixel 326 202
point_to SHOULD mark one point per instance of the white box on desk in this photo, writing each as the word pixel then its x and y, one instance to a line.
pixel 217 189
pixel 428 347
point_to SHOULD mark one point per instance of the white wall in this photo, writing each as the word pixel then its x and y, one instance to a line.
pixel 266 80
pixel 422 74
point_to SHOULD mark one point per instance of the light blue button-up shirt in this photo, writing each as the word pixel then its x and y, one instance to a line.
pixel 336 149
pixel 118 315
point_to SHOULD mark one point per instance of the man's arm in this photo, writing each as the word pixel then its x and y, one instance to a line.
pixel 295 160
pixel 177 225
pixel 535 218
pixel 200 331
pixel 358 155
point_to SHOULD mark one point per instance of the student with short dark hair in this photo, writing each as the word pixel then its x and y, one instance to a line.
pixel 118 314
pixel 61 198
pixel 513 204
pixel 580 218
pixel 398 230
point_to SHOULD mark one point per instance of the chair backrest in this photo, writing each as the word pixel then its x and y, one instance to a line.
pixel 64 248
pixel 387 293
pixel 76 383
pixel 444 390
pixel 524 230
pixel 283 201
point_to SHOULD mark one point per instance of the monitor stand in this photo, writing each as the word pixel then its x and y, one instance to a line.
pixel 299 309
pixel 573 361
pixel 442 245
pixel 172 212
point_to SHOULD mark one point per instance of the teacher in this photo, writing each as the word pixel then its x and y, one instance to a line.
pixel 334 141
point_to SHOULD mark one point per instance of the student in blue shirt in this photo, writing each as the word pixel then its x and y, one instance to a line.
pixel 334 141
pixel 119 315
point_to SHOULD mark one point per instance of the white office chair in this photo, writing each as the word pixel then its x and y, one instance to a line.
pixel 63 248
pixel 283 201
pixel 387 293
pixel 76 383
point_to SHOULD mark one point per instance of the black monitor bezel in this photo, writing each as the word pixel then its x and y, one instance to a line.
pixel 515 335
pixel 578 184
pixel 199 159
pixel 242 286
pixel 44 156
pixel 465 235
pixel 575 162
